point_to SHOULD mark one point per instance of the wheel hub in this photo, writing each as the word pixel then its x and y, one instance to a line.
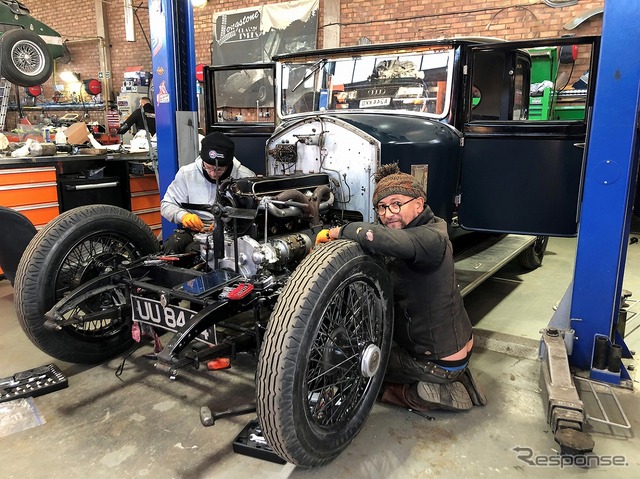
pixel 370 361
pixel 100 264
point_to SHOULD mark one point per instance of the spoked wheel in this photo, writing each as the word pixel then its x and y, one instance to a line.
pixel 324 354
pixel 75 247
pixel 26 61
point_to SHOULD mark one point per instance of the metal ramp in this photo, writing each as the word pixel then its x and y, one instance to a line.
pixel 482 260
pixel 5 90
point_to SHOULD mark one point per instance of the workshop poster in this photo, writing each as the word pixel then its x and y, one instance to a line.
pixel 256 34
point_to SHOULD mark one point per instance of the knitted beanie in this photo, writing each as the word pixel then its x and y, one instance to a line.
pixel 390 181
pixel 217 147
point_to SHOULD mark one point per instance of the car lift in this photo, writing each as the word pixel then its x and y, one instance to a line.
pixel 174 82
pixel 583 331
pixel 588 314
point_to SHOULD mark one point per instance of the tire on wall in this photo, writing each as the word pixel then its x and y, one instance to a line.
pixel 25 58
pixel 324 353
pixel 73 248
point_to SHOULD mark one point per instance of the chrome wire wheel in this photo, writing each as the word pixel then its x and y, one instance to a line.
pixel 28 58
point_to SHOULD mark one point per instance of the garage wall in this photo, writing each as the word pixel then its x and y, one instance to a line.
pixel 76 22
pixel 384 21
pixel 359 20
pixel 398 20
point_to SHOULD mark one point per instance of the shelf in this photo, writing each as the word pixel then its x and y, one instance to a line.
pixel 62 107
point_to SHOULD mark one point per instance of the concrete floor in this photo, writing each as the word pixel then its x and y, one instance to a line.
pixel 145 425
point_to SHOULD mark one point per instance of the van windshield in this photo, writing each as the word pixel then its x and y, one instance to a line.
pixel 416 81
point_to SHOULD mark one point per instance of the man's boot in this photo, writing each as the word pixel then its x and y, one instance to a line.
pixel 449 396
pixel 477 395
pixel 403 395
pixel 392 393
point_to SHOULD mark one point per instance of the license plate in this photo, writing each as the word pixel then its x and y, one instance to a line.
pixel 169 317
pixel 375 102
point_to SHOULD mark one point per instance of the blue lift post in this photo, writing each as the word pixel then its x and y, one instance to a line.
pixel 611 170
pixel 591 305
pixel 174 81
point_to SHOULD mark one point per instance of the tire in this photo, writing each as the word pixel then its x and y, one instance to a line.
pixel 531 258
pixel 313 394
pixel 25 58
pixel 73 248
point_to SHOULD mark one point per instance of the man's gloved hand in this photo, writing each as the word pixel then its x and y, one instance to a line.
pixel 323 237
pixel 192 221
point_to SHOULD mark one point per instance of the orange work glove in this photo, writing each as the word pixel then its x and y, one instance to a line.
pixel 323 237
pixel 192 221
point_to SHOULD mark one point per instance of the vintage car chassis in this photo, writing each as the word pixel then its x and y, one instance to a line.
pixel 319 317
pixel 211 298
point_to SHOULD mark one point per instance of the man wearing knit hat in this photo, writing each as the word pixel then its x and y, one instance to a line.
pixel 428 365
pixel 197 183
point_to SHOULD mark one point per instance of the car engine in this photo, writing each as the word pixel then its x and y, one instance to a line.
pixel 268 222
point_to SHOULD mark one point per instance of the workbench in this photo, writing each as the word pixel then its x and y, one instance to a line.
pixel 43 187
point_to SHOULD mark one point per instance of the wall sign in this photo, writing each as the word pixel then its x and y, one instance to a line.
pixel 257 34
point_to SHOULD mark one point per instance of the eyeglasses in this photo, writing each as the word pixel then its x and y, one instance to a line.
pixel 214 169
pixel 394 208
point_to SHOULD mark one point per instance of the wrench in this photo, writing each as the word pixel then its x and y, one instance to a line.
pixel 258 439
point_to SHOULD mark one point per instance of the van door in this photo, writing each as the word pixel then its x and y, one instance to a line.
pixel 524 135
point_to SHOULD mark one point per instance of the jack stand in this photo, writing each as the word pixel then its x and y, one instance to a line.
pixel 565 410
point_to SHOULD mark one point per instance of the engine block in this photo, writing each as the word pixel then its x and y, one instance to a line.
pixel 287 209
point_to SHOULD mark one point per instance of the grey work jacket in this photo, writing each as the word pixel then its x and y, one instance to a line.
pixel 190 186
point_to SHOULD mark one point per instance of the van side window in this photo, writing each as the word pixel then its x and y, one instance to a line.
pixel 545 83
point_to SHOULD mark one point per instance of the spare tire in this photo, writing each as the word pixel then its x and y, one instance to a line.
pixel 324 353
pixel 73 248
pixel 24 58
